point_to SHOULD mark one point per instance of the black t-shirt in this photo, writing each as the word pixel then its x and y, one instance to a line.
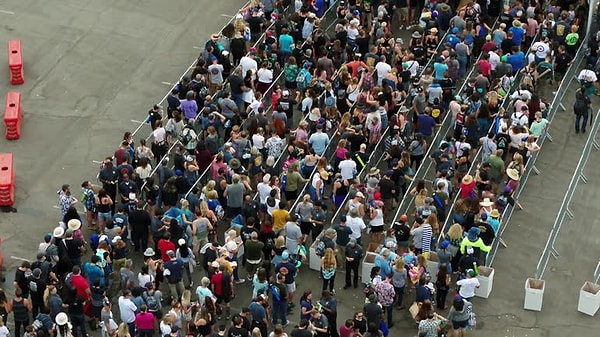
pixel 22 281
pixel 355 141
pixel 385 187
pixel 73 248
pixel 236 83
pixel 209 256
pixel 402 232
pixel 237 332
pixel 246 232
pixel 297 332
pixel 484 177
pixel 254 24
pixel 140 221
pixel 487 233
pixel 373 313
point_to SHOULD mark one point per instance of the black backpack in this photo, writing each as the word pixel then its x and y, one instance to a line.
pixel 68 292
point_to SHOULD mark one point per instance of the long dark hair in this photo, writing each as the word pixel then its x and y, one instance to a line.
pixel 184 251
pixel 442 274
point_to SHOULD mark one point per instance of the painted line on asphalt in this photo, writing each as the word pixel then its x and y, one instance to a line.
pixel 7 12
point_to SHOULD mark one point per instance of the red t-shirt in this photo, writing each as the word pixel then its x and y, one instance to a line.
pixel 81 284
pixel 164 246
pixel 486 67
pixel 217 281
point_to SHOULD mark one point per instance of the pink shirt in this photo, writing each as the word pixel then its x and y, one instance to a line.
pixel 144 321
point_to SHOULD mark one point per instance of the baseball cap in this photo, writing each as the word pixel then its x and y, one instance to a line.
pixel 285 255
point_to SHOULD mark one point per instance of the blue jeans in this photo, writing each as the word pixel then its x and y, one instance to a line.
pixel 388 314
pixel 581 121
pixel 280 312
pixel 462 62
pixel 237 98
pixel 399 295
pixel 78 322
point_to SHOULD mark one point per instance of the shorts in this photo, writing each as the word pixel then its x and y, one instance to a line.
pixel 460 324
pixel 291 287
pixel 105 216
pixel 402 12
pixel 96 311
pixel 377 229
pixel 223 299
pixel 291 195
pixel 305 227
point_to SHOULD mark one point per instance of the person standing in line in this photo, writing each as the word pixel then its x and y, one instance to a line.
pixel 354 253
pixel 581 109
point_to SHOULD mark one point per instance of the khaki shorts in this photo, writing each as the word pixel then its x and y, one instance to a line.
pixel 291 287
pixel 402 12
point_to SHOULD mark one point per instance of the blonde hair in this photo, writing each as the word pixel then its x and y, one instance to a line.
pixel 455 232
pixel 123 330
pixel 212 195
pixel 184 203
pixel 186 297
pixel 280 241
pixel 328 259
pixel 421 260
pixel 306 198
pixel 399 265
pixel 256 332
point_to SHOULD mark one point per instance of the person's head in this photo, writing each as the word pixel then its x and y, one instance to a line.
pixel 458 303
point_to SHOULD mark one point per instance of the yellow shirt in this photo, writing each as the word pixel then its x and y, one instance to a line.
pixel 279 219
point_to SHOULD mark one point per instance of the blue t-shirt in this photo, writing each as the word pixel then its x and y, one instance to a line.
pixel 286 42
pixel 440 68
pixel 93 273
pixel 425 124
pixel 120 220
pixel 518 34
pixel 517 61
pixel 319 142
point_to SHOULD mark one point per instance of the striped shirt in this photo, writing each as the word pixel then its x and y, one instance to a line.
pixel 426 238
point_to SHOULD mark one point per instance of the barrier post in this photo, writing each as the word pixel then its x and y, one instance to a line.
pixel 15 62
pixel 7 180
pixel 13 115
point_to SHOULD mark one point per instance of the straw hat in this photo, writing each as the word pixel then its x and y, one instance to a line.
pixel 486 202
pixel 467 180
pixel 516 23
pixel 513 174
pixel 74 224
pixel 495 214
pixel 58 232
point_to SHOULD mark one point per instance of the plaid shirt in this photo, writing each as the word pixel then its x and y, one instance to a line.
pixel 385 293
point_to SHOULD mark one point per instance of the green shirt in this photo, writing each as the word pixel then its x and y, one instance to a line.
pixel 292 181
pixel 572 39
pixel 497 165
pixel 537 127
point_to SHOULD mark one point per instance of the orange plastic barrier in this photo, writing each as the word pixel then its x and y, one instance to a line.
pixel 13 115
pixel 15 62
pixel 7 180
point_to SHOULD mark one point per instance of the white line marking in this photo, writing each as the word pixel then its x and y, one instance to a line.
pixel 196 47
pixel 137 122
pixel 96 162
pixel 227 16
pixel 7 12
pixel 19 258
pixel 167 83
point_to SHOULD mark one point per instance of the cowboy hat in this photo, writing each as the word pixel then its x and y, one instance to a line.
pixel 58 232
pixel 149 252
pixel 235 163
pixel 403 109
pixel 374 170
pixel 74 224
pixel 513 174
pixel 486 202
pixel 495 214
pixel 467 180
pixel 416 35
pixel 62 318
pixel 516 23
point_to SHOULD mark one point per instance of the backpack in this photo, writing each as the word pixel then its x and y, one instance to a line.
pixel 151 302
pixel 320 250
pixel 302 79
pixel 68 291
pixel 184 137
pixel 328 100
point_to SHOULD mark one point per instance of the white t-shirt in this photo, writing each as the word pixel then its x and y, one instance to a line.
pixel 258 141
pixel 159 135
pixel 264 75
pixel 494 59
pixel 382 70
pixel 357 225
pixel 541 49
pixel 263 191
pixel 587 75
pixel 4 331
pixel 248 63
pixel 347 168
pixel 467 287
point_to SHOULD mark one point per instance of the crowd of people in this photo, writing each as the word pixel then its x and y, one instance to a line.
pixel 271 133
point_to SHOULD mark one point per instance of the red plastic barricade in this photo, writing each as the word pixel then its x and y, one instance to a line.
pixel 7 180
pixel 15 62
pixel 13 115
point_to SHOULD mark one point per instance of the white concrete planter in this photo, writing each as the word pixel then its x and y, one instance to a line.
pixel 534 294
pixel 486 280
pixel 589 298
pixel 368 263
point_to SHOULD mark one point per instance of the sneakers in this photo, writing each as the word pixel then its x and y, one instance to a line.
pixel 286 324
pixel 240 281
pixel 401 27
pixel 191 284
